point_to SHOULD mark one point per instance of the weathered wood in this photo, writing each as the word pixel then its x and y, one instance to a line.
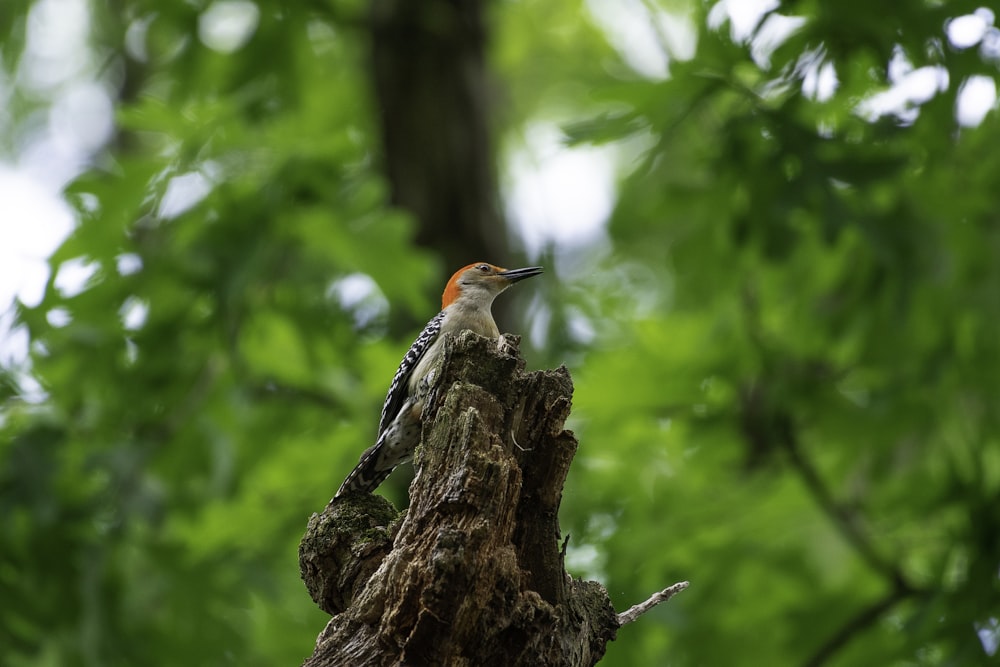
pixel 472 573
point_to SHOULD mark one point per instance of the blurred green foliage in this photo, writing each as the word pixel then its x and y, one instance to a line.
pixel 789 397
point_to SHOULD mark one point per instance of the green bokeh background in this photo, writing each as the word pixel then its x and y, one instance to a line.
pixel 785 345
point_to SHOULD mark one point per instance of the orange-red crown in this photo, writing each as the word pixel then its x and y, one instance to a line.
pixel 452 289
pixel 498 279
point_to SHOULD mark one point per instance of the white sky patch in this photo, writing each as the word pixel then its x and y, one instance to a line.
pixel 989 635
pixel 58 317
pixel 910 88
pixel 989 48
pixel 743 15
pixel 73 276
pixel 13 340
pixel 645 36
pixel 968 30
pixel 772 33
pixel 756 22
pixel 359 294
pixel 976 98
pixel 541 319
pixel 128 263
pixel 820 80
pixel 50 162
pixel 679 35
pixel 135 38
pixel 557 194
pixel 228 24
pixel 586 560
pixel 134 313
pixel 56 37
pixel 34 219
pixel 899 65
pixel 81 119
pixel 33 223
pixel 183 192
pixel 581 329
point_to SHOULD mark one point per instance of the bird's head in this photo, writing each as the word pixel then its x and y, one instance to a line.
pixel 483 281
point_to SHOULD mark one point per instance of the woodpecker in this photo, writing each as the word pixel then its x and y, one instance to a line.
pixel 465 304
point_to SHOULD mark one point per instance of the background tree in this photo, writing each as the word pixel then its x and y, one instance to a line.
pixel 783 345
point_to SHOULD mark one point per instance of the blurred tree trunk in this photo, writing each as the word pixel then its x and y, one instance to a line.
pixel 432 94
pixel 472 573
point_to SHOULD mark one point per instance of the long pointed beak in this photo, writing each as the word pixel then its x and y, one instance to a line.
pixel 514 275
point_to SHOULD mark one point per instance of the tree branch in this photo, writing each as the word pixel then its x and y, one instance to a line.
pixel 635 611
pixel 847 522
pixel 841 517
pixel 855 625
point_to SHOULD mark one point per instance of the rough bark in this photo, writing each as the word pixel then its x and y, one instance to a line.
pixel 472 573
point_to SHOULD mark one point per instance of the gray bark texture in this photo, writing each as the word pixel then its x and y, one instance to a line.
pixel 472 573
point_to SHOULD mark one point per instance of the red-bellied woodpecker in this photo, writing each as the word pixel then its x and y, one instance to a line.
pixel 465 304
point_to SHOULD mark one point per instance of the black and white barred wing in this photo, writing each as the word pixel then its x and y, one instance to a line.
pixel 399 427
pixel 399 389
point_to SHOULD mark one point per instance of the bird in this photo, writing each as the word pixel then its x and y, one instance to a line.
pixel 465 305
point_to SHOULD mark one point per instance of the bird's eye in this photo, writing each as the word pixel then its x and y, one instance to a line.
pixel 485 268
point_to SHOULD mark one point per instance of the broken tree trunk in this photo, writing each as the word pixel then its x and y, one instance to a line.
pixel 472 573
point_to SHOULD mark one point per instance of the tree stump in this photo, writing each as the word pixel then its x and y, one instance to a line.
pixel 472 573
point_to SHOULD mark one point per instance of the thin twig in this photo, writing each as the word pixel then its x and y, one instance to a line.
pixel 636 611
pixel 855 626
pixel 851 528
pixel 844 518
